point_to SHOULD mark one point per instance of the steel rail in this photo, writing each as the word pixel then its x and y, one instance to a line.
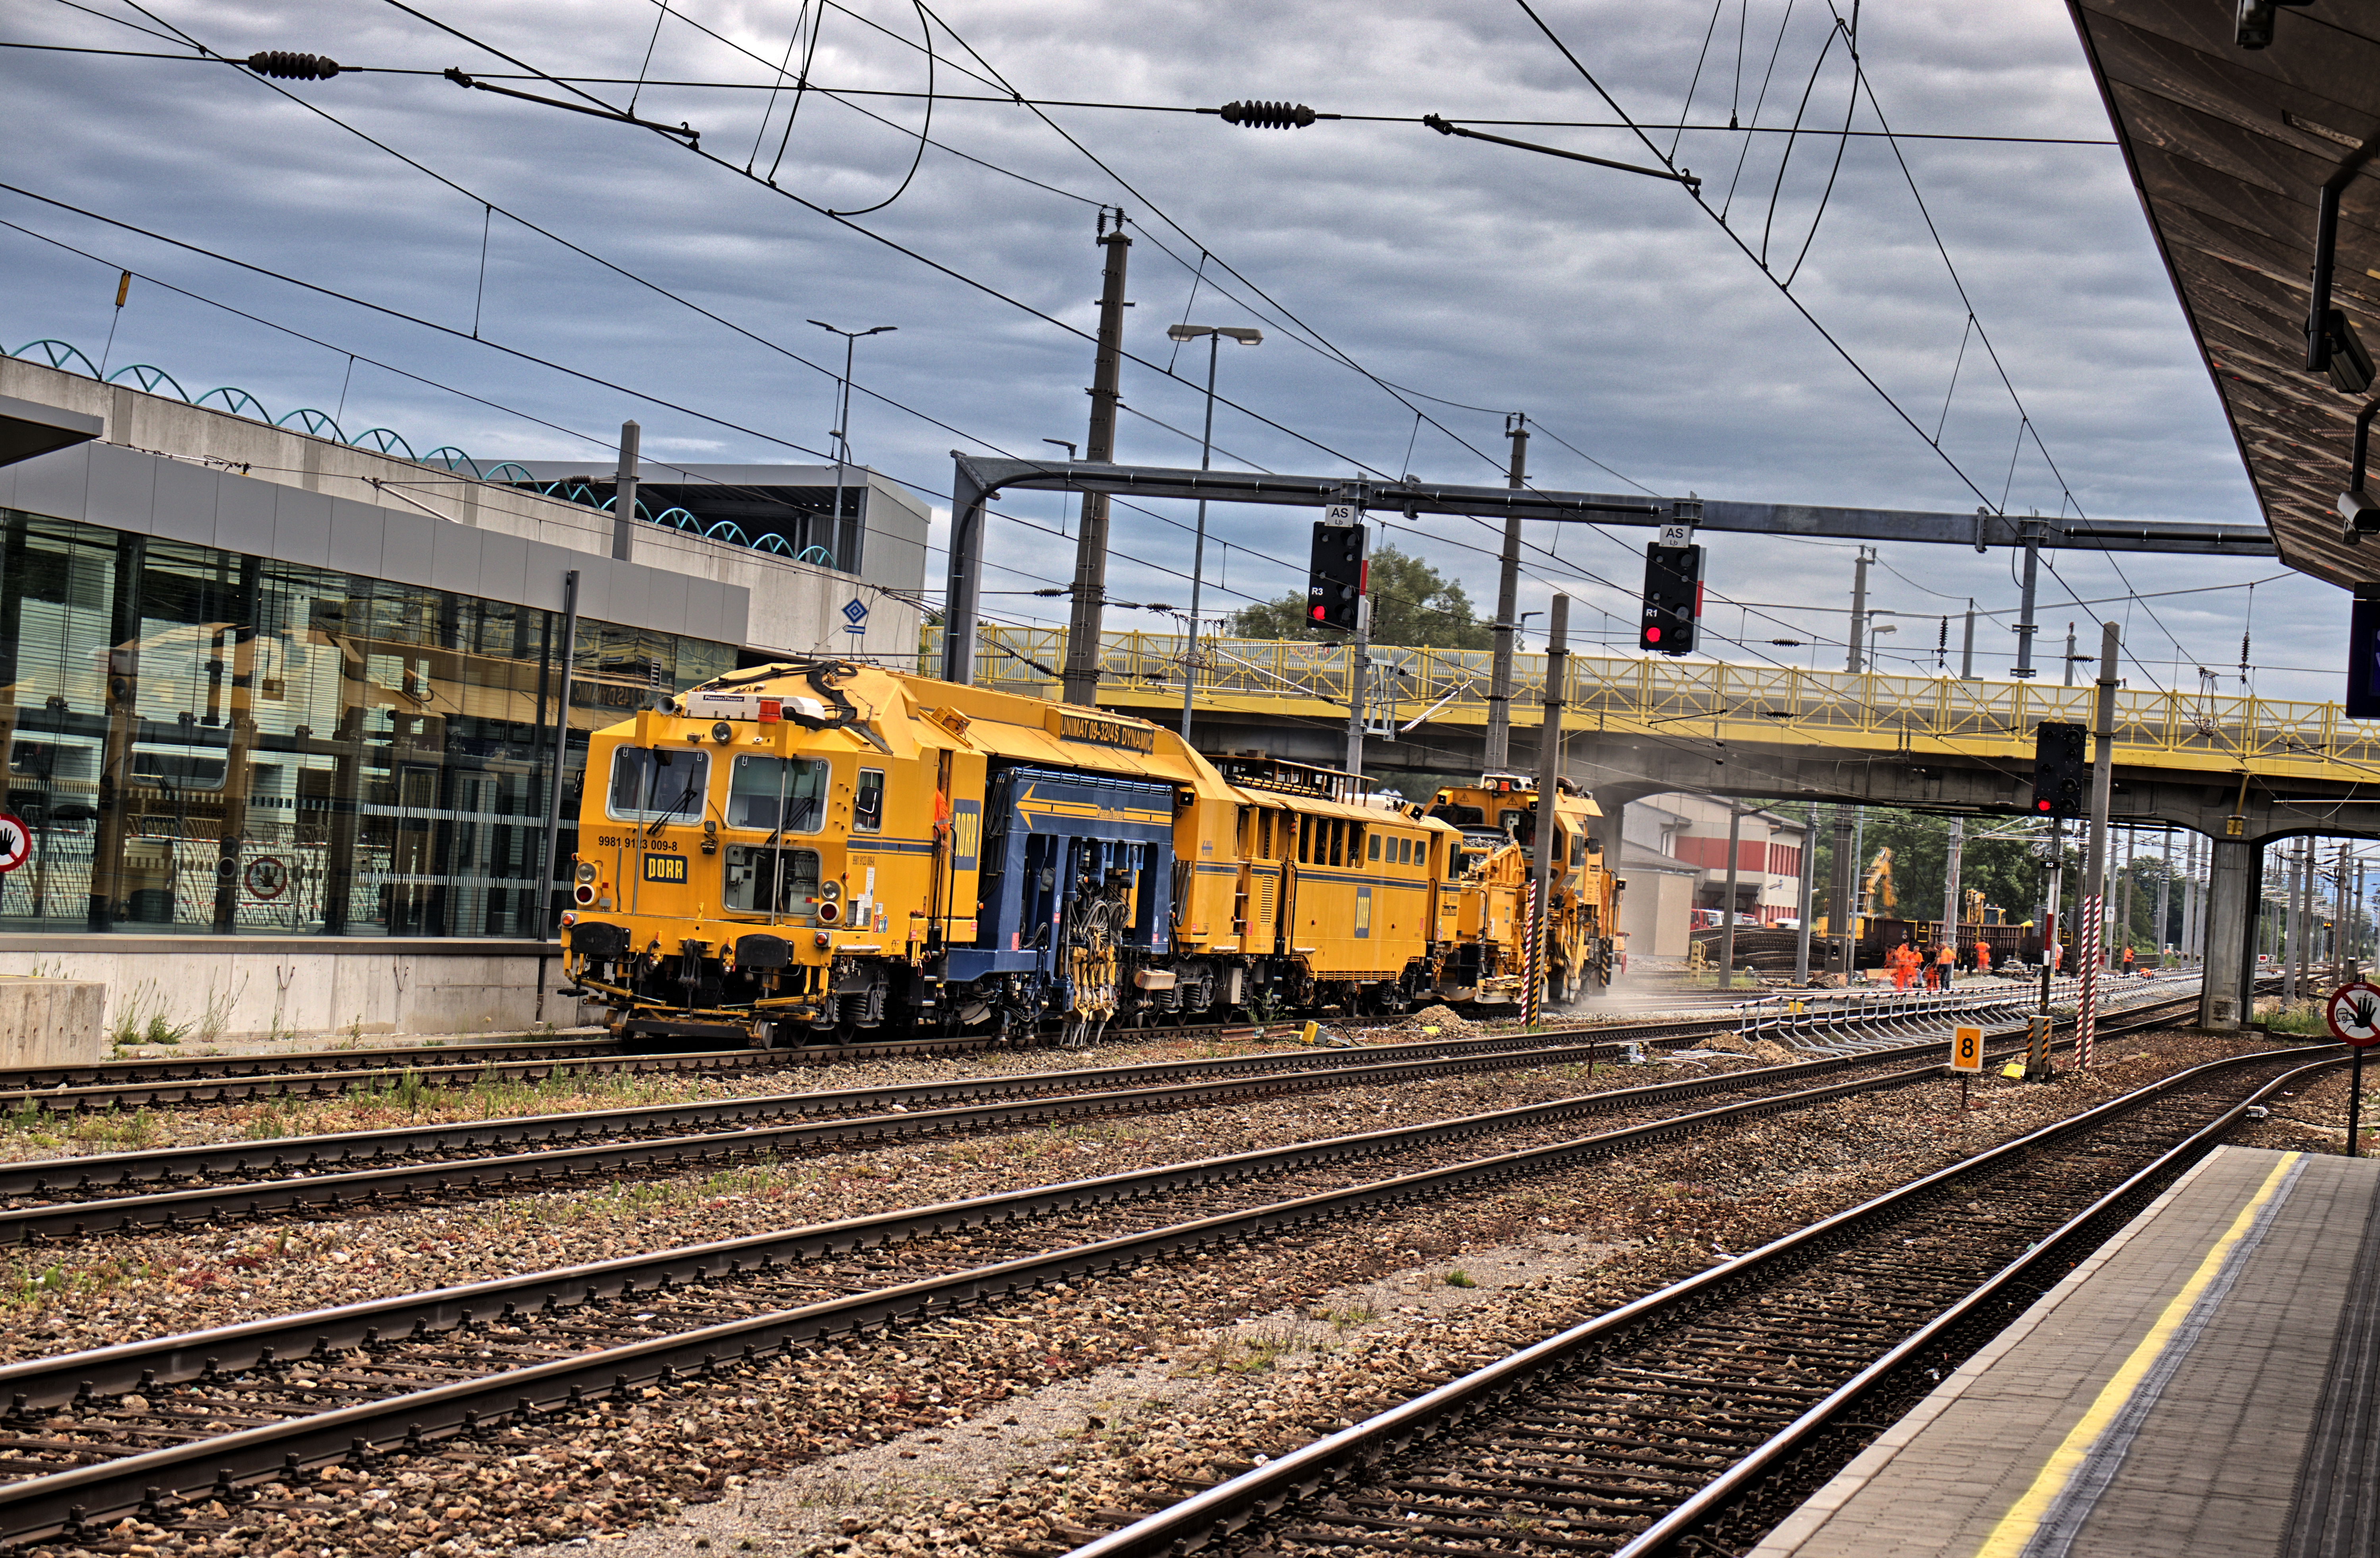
pixel 1232 1504
pixel 1936 1345
pixel 334 1192
pixel 311 1080
pixel 309 1153
pixel 221 1079
pixel 34 1384
pixel 195 1067
pixel 155 1481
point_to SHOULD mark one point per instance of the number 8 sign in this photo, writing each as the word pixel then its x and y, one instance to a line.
pixel 1966 1049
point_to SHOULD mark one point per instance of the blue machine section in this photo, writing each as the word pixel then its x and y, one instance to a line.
pixel 1052 838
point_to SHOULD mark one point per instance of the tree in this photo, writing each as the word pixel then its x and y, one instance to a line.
pixel 1413 604
pixel 2006 871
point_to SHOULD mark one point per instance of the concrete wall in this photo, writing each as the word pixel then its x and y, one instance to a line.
pixel 792 607
pixel 225 987
pixel 51 1022
pixel 1654 911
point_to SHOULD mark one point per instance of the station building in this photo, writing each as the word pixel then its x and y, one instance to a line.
pixel 280 712
pixel 1673 853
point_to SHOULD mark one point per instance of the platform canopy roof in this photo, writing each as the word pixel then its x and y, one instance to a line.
pixel 2230 148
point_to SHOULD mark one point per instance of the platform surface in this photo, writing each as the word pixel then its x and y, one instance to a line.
pixel 2206 1385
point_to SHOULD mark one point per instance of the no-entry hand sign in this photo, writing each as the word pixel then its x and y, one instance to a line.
pixel 16 843
pixel 2354 1014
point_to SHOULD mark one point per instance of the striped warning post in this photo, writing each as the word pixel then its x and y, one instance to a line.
pixel 2087 955
pixel 1534 963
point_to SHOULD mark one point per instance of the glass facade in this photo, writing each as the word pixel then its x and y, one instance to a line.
pixel 199 742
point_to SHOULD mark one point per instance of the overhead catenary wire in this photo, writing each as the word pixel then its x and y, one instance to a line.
pixel 1181 108
pixel 935 265
pixel 1418 419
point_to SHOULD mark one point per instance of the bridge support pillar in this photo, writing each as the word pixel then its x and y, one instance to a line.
pixel 2222 1001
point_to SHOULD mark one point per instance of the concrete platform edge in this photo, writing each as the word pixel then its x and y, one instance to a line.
pixel 1786 1540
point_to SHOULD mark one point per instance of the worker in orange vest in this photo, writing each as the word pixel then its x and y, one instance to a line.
pixel 1946 963
pixel 1982 955
pixel 2127 962
pixel 1904 964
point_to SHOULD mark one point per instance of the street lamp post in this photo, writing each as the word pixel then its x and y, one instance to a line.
pixel 1214 334
pixel 840 432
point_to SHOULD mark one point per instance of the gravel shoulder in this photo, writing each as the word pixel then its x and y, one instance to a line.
pixel 1126 1391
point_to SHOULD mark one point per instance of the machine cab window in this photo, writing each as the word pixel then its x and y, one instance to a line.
pixel 660 784
pixel 771 794
pixel 868 802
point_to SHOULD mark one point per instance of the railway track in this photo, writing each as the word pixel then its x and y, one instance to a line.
pixel 158 1082
pixel 184 1428
pixel 1691 1419
pixel 105 1194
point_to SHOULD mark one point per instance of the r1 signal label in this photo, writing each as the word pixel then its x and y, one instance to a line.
pixel 1966 1049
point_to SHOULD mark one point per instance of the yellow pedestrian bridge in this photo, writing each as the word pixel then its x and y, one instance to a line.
pixel 2305 748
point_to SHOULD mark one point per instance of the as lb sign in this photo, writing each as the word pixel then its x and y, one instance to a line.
pixel 16 843
pixel 2354 1014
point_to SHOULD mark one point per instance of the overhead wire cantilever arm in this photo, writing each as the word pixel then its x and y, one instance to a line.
pixel 1444 127
pixel 455 75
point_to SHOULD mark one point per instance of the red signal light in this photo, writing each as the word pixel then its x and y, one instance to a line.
pixel 2042 805
pixel 1652 635
pixel 1318 612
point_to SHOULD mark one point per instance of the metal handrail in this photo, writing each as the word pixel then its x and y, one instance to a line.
pixel 1627 694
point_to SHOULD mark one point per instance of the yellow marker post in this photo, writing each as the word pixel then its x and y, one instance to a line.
pixel 1312 1035
pixel 1966 1058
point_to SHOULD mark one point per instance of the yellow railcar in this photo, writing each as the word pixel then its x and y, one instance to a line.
pixel 821 849
pixel 1498 817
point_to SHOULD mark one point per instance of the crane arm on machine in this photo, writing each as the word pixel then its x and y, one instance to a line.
pixel 1876 887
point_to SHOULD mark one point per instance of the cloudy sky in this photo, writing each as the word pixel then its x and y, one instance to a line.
pixel 1412 289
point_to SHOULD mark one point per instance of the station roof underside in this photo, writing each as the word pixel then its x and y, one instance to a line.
pixel 2229 149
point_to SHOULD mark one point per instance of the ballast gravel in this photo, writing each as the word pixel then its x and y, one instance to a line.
pixel 1202 1363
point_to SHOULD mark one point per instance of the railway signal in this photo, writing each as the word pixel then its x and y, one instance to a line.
pixel 1673 598
pixel 2061 769
pixel 1335 578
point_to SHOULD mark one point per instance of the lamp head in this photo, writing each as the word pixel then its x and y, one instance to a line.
pixel 1245 334
pixel 2361 510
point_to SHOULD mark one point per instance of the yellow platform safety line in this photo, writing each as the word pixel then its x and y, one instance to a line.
pixel 2017 1527
pixel 1856 713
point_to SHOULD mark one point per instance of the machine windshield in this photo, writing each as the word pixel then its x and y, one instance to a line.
pixel 654 784
pixel 777 794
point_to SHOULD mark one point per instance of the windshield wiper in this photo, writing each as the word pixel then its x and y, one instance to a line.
pixel 675 807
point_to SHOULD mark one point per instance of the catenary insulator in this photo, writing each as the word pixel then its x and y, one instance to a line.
pixel 293 67
pixel 1267 115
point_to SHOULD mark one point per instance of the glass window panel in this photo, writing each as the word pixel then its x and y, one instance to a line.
pixel 657 784
pixel 203 741
pixel 758 785
pixel 868 802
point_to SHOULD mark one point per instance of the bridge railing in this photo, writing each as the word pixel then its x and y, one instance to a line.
pixel 1866 710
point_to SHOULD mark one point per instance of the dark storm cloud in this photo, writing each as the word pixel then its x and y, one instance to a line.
pixel 1606 306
